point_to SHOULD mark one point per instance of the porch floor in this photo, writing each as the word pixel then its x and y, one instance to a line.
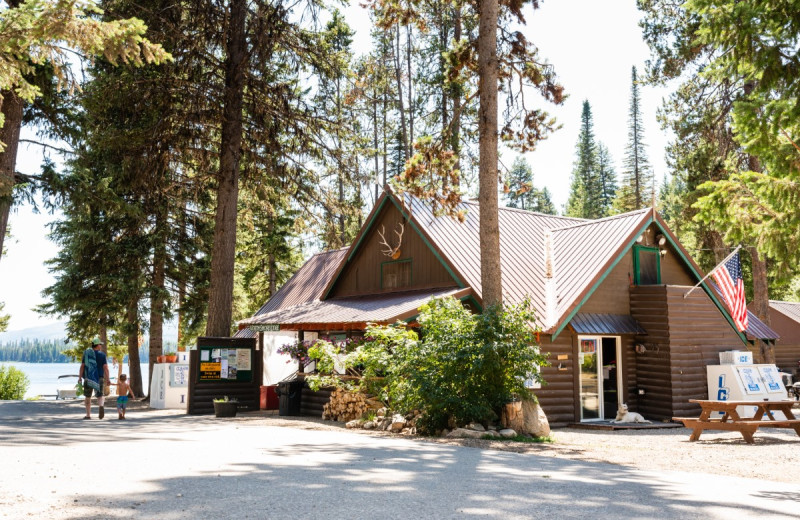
pixel 608 425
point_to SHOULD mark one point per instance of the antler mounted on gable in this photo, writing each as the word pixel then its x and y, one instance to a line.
pixel 393 252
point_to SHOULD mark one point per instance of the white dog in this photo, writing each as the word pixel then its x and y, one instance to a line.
pixel 624 416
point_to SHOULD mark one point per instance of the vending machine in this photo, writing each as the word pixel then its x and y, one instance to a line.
pixel 736 380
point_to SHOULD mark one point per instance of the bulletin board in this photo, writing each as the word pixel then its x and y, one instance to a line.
pixel 224 367
pixel 225 363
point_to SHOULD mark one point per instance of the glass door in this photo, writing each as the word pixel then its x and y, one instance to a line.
pixel 588 353
pixel 601 384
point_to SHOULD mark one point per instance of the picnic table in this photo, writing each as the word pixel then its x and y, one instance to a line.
pixel 731 421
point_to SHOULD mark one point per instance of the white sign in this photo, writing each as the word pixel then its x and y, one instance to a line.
pixel 266 327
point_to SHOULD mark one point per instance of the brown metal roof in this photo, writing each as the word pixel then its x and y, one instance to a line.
pixel 306 285
pixel 381 308
pixel 583 252
pixel 588 323
pixel 789 309
pixel 521 246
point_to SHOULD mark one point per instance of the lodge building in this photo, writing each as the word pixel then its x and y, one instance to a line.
pixel 611 297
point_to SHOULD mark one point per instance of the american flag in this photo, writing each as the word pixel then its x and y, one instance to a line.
pixel 728 276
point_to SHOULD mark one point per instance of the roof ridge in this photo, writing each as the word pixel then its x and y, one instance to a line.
pixel 604 219
pixel 528 212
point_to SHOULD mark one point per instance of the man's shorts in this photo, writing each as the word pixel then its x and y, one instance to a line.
pixel 122 402
pixel 87 390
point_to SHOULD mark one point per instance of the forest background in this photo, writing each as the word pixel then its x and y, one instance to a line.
pixel 344 122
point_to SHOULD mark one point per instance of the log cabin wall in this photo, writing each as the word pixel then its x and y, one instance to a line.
pixel 362 274
pixel 698 333
pixel 787 348
pixel 559 396
pixel 652 367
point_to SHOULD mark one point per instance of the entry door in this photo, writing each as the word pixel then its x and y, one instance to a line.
pixel 600 382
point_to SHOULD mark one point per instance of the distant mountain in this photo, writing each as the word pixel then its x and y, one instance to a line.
pixel 58 330
pixel 48 332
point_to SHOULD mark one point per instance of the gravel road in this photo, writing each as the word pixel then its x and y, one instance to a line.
pixel 166 465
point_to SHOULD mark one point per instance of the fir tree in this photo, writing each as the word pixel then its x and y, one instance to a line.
pixel 518 190
pixel 637 177
pixel 607 177
pixel 586 190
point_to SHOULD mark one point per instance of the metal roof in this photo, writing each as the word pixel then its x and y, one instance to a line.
pixel 306 285
pixel 583 252
pixel 588 323
pixel 757 329
pixel 379 308
pixel 521 246
pixel 789 309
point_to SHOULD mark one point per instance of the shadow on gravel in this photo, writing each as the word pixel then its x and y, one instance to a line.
pixel 338 480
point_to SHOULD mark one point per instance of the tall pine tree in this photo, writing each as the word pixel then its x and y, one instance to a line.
pixel 637 187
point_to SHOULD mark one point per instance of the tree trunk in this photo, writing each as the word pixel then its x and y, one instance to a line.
pixel 156 346
pixel 11 107
pixel 410 91
pixel 220 292
pixel 491 288
pixel 761 302
pixel 273 275
pixel 134 363
pixel 400 107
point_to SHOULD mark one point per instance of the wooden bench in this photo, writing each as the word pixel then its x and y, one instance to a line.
pixel 730 421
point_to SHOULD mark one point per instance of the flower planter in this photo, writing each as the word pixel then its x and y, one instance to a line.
pixel 225 408
pixel 161 359
pixel 171 359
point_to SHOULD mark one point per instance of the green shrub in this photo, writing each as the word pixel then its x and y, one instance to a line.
pixel 13 383
pixel 465 367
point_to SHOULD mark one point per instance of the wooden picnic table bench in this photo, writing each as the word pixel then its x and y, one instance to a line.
pixel 731 421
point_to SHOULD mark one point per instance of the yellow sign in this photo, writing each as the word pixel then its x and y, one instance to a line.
pixel 210 371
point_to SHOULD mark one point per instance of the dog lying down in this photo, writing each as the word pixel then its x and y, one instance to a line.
pixel 624 416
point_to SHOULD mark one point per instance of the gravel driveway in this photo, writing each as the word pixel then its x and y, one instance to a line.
pixel 164 464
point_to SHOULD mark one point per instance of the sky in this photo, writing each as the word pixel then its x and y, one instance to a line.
pixel 592 46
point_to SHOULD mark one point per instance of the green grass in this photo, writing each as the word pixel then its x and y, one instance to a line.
pixel 520 438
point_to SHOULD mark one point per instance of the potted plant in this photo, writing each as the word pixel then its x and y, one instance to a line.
pixel 225 407
pixel 170 357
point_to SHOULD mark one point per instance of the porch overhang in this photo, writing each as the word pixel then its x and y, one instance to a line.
pixel 351 313
pixel 614 324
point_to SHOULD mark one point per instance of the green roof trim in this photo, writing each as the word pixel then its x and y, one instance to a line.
pixel 686 262
pixel 600 280
pixel 705 286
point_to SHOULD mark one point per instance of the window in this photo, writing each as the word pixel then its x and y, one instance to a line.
pixel 396 275
pixel 646 265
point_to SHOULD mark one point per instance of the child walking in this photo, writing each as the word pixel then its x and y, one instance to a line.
pixel 123 391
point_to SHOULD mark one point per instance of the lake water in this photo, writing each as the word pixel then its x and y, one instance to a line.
pixel 44 376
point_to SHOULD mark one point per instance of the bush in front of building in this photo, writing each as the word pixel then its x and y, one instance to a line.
pixel 13 383
pixel 466 366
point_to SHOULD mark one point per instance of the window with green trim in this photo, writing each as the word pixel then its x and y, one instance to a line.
pixel 396 275
pixel 646 265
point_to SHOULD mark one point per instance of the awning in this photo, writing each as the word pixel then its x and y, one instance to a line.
pixel 757 329
pixel 588 323
pixel 351 313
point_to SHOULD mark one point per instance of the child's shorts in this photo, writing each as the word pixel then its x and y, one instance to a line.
pixel 122 402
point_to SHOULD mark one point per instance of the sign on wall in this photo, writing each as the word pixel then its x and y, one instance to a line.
pixel 265 327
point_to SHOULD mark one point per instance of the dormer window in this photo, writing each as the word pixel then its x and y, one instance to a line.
pixel 646 265
pixel 396 275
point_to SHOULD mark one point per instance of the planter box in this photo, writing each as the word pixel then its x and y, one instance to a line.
pixel 225 408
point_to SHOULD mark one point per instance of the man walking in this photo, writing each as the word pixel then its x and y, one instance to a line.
pixel 94 374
